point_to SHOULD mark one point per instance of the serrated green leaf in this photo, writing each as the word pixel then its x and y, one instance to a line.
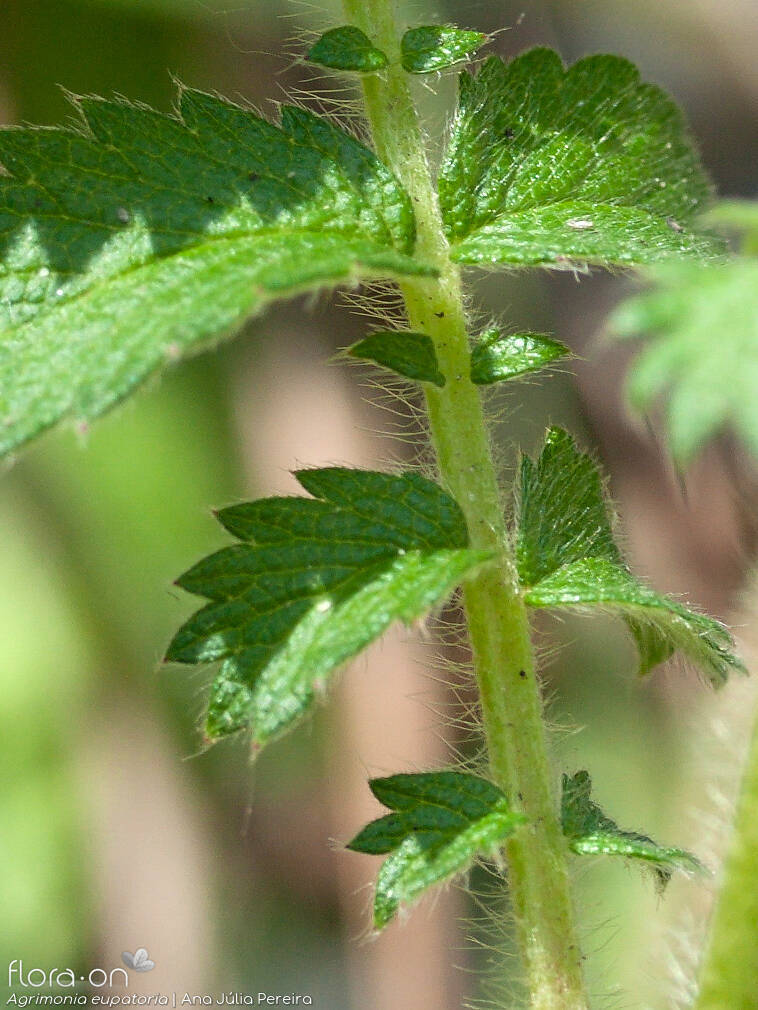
pixel 403 351
pixel 441 822
pixel 702 327
pixel 134 237
pixel 314 581
pixel 435 47
pixel 595 582
pixel 591 833
pixel 347 48
pixel 499 357
pixel 561 511
pixel 567 558
pixel 569 167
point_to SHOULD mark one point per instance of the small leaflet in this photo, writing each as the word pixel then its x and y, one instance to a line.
pixel 347 48
pixel 310 583
pixel 441 822
pixel 499 357
pixel 406 352
pixel 567 557
pixel 435 47
pixel 591 833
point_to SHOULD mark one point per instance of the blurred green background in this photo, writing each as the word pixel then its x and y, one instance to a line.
pixel 115 830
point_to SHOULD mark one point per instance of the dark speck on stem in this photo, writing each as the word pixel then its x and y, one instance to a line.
pixel 253 176
pixel 509 134
pixel 440 315
pixel 522 674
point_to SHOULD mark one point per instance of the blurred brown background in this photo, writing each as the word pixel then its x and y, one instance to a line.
pixel 115 832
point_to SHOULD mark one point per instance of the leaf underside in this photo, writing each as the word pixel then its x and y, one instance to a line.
pixel 405 352
pixel 435 47
pixel 347 48
pixel 569 167
pixel 312 582
pixel 591 833
pixel 567 558
pixel 499 357
pixel 441 822
pixel 701 324
pixel 133 236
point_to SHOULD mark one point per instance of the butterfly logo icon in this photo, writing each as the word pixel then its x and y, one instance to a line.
pixel 138 961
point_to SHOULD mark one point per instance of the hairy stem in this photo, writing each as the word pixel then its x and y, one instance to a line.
pixel 730 972
pixel 497 619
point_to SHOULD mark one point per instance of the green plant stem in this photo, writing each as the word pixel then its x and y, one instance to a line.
pixel 729 979
pixel 497 620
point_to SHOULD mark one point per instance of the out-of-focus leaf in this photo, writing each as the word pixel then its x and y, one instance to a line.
pixel 313 582
pixel 701 327
pixel 403 351
pixel 569 167
pixel 739 216
pixel 441 822
pixel 190 10
pixel 591 833
pixel 347 48
pixel 134 237
pixel 435 47
pixel 498 357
